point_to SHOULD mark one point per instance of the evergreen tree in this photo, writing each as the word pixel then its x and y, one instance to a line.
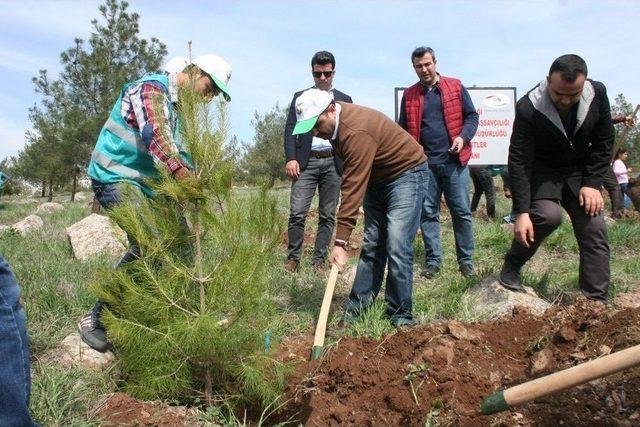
pixel 264 160
pixel 192 312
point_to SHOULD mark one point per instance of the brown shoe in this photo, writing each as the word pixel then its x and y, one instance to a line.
pixel 291 265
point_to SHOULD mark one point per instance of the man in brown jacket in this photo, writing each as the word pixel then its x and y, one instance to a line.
pixel 385 171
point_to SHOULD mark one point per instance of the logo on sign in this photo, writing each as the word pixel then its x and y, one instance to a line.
pixel 496 100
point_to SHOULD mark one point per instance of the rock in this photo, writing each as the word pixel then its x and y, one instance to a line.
pixel 565 334
pixel 80 197
pixel 348 275
pixel 49 207
pixel 72 351
pixel 495 378
pixel 628 299
pixel 96 234
pixel 441 352
pixel 494 301
pixel 508 228
pixel 460 332
pixel 541 361
pixel 30 223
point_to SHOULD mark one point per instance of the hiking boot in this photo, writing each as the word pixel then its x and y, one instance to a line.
pixel 92 330
pixel 402 324
pixel 430 271
pixel 510 277
pixel 291 265
pixel 467 270
pixel 318 267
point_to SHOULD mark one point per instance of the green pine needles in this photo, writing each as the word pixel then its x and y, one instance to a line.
pixel 188 319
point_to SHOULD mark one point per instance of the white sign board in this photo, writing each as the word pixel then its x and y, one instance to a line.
pixel 496 107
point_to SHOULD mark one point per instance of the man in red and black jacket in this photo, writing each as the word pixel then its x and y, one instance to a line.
pixel 560 150
pixel 438 112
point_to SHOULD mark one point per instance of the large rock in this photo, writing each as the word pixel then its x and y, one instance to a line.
pixel 30 223
pixel 49 207
pixel 96 234
pixel 494 301
pixel 72 351
pixel 628 299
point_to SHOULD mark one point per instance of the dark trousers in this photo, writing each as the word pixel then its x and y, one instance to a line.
pixel 483 183
pixel 320 174
pixel 591 233
pixel 610 183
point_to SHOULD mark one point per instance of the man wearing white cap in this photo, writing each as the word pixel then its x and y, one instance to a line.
pixel 135 144
pixel 385 171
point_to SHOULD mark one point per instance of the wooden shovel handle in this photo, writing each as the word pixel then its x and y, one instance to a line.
pixel 321 326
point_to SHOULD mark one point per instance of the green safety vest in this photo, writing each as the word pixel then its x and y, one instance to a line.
pixel 121 153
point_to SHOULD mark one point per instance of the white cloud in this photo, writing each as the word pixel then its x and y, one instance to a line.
pixel 22 61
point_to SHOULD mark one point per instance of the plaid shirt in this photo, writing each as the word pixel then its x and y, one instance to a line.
pixel 137 110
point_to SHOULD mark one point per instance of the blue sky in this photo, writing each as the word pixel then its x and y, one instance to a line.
pixel 270 43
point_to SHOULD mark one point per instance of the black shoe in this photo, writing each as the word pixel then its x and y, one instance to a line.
pixel 510 277
pixel 430 271
pixel 402 324
pixel 467 270
pixel 92 331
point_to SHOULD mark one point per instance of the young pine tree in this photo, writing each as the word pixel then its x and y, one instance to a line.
pixel 189 317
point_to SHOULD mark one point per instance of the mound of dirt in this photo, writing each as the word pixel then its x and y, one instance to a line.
pixel 442 372
pixel 123 410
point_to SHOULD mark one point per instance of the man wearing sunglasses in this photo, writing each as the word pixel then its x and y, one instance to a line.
pixel 141 137
pixel 311 164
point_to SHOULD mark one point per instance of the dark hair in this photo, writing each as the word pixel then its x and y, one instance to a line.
pixel 619 152
pixel 421 51
pixel 569 66
pixel 323 58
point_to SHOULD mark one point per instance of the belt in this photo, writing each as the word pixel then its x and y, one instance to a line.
pixel 321 154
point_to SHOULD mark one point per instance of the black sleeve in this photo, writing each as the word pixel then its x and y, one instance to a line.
pixel 521 153
pixel 289 139
pixel 402 117
pixel 601 141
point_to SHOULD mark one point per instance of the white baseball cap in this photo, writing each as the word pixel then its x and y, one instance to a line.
pixel 176 64
pixel 309 105
pixel 218 69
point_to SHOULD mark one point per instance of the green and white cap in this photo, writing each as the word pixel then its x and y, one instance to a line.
pixel 218 69
pixel 309 105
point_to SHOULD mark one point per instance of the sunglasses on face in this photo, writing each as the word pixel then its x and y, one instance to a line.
pixel 317 74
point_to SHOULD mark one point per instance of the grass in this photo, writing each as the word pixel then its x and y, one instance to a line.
pixel 56 292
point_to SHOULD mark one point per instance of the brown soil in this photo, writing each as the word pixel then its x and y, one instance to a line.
pixel 453 367
pixel 123 410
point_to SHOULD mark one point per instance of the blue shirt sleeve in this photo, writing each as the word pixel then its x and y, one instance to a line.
pixel 470 114
pixel 402 117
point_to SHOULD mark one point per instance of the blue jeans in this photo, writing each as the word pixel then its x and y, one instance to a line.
pixel 452 180
pixel 391 220
pixel 15 376
pixel 320 173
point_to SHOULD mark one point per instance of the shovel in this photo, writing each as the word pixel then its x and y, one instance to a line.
pixel 579 374
pixel 321 326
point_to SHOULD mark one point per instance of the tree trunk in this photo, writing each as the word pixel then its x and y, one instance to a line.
pixel 95 206
pixel 50 190
pixel 74 186
pixel 44 188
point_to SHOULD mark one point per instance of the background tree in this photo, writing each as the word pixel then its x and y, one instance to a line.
pixel 74 107
pixel 632 136
pixel 264 161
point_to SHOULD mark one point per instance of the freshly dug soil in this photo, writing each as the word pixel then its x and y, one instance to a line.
pixel 452 367
pixel 123 410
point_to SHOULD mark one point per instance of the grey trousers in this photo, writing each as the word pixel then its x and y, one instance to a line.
pixel 610 183
pixel 320 174
pixel 591 233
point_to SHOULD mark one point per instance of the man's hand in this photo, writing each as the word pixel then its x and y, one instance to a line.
pixel 182 173
pixel 458 142
pixel 591 200
pixel 292 169
pixel 629 121
pixel 523 231
pixel 339 257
